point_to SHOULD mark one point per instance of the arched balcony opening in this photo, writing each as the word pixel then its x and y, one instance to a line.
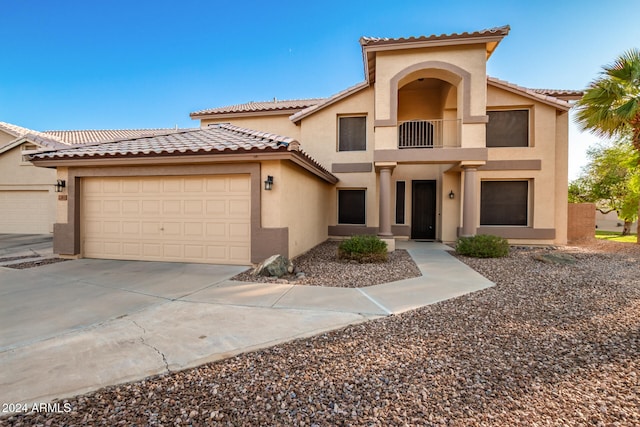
pixel 427 112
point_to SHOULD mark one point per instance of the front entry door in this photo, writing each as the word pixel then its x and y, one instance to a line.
pixel 423 211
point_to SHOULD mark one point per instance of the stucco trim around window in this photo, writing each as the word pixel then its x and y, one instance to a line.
pixel 448 72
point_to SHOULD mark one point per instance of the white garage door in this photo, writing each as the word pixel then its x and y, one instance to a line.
pixel 203 219
pixel 26 212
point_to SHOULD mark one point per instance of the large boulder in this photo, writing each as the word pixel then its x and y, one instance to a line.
pixel 274 266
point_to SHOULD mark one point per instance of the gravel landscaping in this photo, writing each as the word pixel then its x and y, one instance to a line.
pixel 321 267
pixel 548 345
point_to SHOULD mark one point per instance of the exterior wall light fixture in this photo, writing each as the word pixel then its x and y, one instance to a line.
pixel 60 185
pixel 268 183
pixel 451 194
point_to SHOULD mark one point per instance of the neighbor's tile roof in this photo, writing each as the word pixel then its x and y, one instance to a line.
pixel 75 137
pixel 262 106
pixel 499 31
pixel 40 138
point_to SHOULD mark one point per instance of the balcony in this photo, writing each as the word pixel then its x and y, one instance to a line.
pixel 433 133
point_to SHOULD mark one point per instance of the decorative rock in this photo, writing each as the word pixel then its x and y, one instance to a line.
pixel 556 258
pixel 274 266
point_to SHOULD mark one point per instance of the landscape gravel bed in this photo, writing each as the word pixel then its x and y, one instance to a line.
pixel 548 345
pixel 321 267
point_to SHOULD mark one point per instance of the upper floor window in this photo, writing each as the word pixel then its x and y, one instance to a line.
pixel 508 128
pixel 352 133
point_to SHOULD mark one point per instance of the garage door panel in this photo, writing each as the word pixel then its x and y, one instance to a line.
pixel 151 207
pixel 131 249
pixel 130 207
pixel 185 219
pixel 111 187
pixel 239 208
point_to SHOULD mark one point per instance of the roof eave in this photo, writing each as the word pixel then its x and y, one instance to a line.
pixel 229 115
pixel 298 157
pixel 544 99
pixel 297 117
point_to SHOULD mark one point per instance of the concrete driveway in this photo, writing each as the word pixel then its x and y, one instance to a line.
pixel 75 326
pixel 25 244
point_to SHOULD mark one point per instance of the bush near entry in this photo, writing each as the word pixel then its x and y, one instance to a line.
pixel 483 246
pixel 363 249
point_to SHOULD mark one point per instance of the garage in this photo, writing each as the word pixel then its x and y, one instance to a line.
pixel 26 212
pixel 200 219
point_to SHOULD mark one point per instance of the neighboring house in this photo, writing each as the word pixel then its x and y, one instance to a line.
pixel 611 222
pixel 27 193
pixel 427 147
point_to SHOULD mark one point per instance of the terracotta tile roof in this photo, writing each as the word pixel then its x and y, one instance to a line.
pixel 537 94
pixel 262 106
pixel 499 31
pixel 215 139
pixel 566 94
pixel 75 137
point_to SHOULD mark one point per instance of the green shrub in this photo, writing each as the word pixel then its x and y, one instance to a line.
pixel 363 249
pixel 483 246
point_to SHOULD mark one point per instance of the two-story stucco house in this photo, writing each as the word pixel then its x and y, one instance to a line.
pixel 426 147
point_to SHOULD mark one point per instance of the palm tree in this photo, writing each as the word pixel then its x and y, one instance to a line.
pixel 611 104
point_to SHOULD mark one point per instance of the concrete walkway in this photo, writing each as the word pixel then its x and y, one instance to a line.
pixel 146 318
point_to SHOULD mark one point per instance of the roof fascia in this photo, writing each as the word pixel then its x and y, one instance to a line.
pixel 283 112
pixel 250 156
pixel 297 117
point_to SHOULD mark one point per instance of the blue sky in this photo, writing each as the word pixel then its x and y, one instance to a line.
pixel 145 64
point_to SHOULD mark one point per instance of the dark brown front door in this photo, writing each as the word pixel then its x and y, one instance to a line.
pixel 423 211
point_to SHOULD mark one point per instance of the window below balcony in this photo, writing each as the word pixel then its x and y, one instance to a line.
pixel 504 203
pixel 351 207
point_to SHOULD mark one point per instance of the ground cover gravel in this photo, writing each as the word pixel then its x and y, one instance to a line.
pixel 548 345
pixel 321 267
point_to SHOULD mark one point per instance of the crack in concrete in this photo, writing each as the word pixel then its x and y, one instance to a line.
pixel 143 342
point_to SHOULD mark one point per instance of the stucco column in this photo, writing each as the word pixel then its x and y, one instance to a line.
pixel 384 229
pixel 470 202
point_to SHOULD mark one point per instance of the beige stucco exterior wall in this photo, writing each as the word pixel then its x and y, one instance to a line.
pixel 297 201
pixel 548 140
pixel 470 58
pixel 303 208
pixel 319 138
pixel 277 124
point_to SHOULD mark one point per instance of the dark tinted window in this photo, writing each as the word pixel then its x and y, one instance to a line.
pixel 504 202
pixel 400 202
pixel 352 133
pixel 351 207
pixel 508 128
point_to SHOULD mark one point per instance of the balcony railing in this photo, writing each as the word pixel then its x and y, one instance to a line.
pixel 435 133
